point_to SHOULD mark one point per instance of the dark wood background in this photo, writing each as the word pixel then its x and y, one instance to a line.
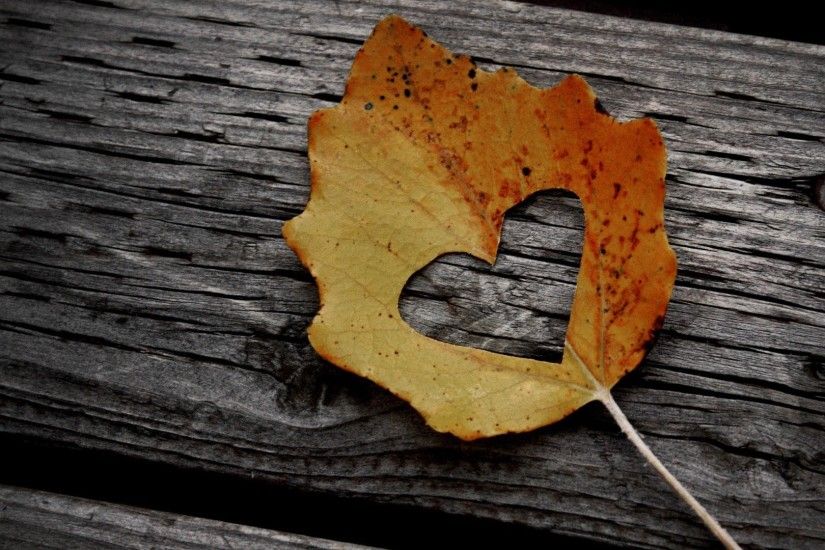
pixel 152 320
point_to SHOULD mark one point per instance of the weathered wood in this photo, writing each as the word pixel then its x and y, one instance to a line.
pixel 150 152
pixel 37 519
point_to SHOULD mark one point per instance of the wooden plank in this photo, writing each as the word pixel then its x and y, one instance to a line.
pixel 151 151
pixel 37 519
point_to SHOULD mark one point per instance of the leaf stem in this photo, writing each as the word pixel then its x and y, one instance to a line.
pixel 631 433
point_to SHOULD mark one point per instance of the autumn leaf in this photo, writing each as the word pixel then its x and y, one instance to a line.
pixel 424 155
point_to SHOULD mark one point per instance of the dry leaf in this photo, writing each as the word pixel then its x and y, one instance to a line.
pixel 424 155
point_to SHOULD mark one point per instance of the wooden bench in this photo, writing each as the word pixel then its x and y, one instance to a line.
pixel 149 308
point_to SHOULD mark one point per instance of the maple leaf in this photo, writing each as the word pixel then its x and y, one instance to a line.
pixel 423 157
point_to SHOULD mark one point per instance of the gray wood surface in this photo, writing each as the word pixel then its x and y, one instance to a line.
pixel 150 151
pixel 37 519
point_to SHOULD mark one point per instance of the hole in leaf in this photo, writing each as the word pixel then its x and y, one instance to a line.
pixel 521 305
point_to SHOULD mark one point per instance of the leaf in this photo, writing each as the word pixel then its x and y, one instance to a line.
pixel 424 155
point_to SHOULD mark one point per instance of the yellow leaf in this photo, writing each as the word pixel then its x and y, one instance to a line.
pixel 424 155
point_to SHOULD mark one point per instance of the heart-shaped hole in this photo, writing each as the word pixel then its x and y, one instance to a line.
pixel 521 305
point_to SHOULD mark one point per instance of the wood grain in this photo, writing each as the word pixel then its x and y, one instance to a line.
pixel 150 152
pixel 38 519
